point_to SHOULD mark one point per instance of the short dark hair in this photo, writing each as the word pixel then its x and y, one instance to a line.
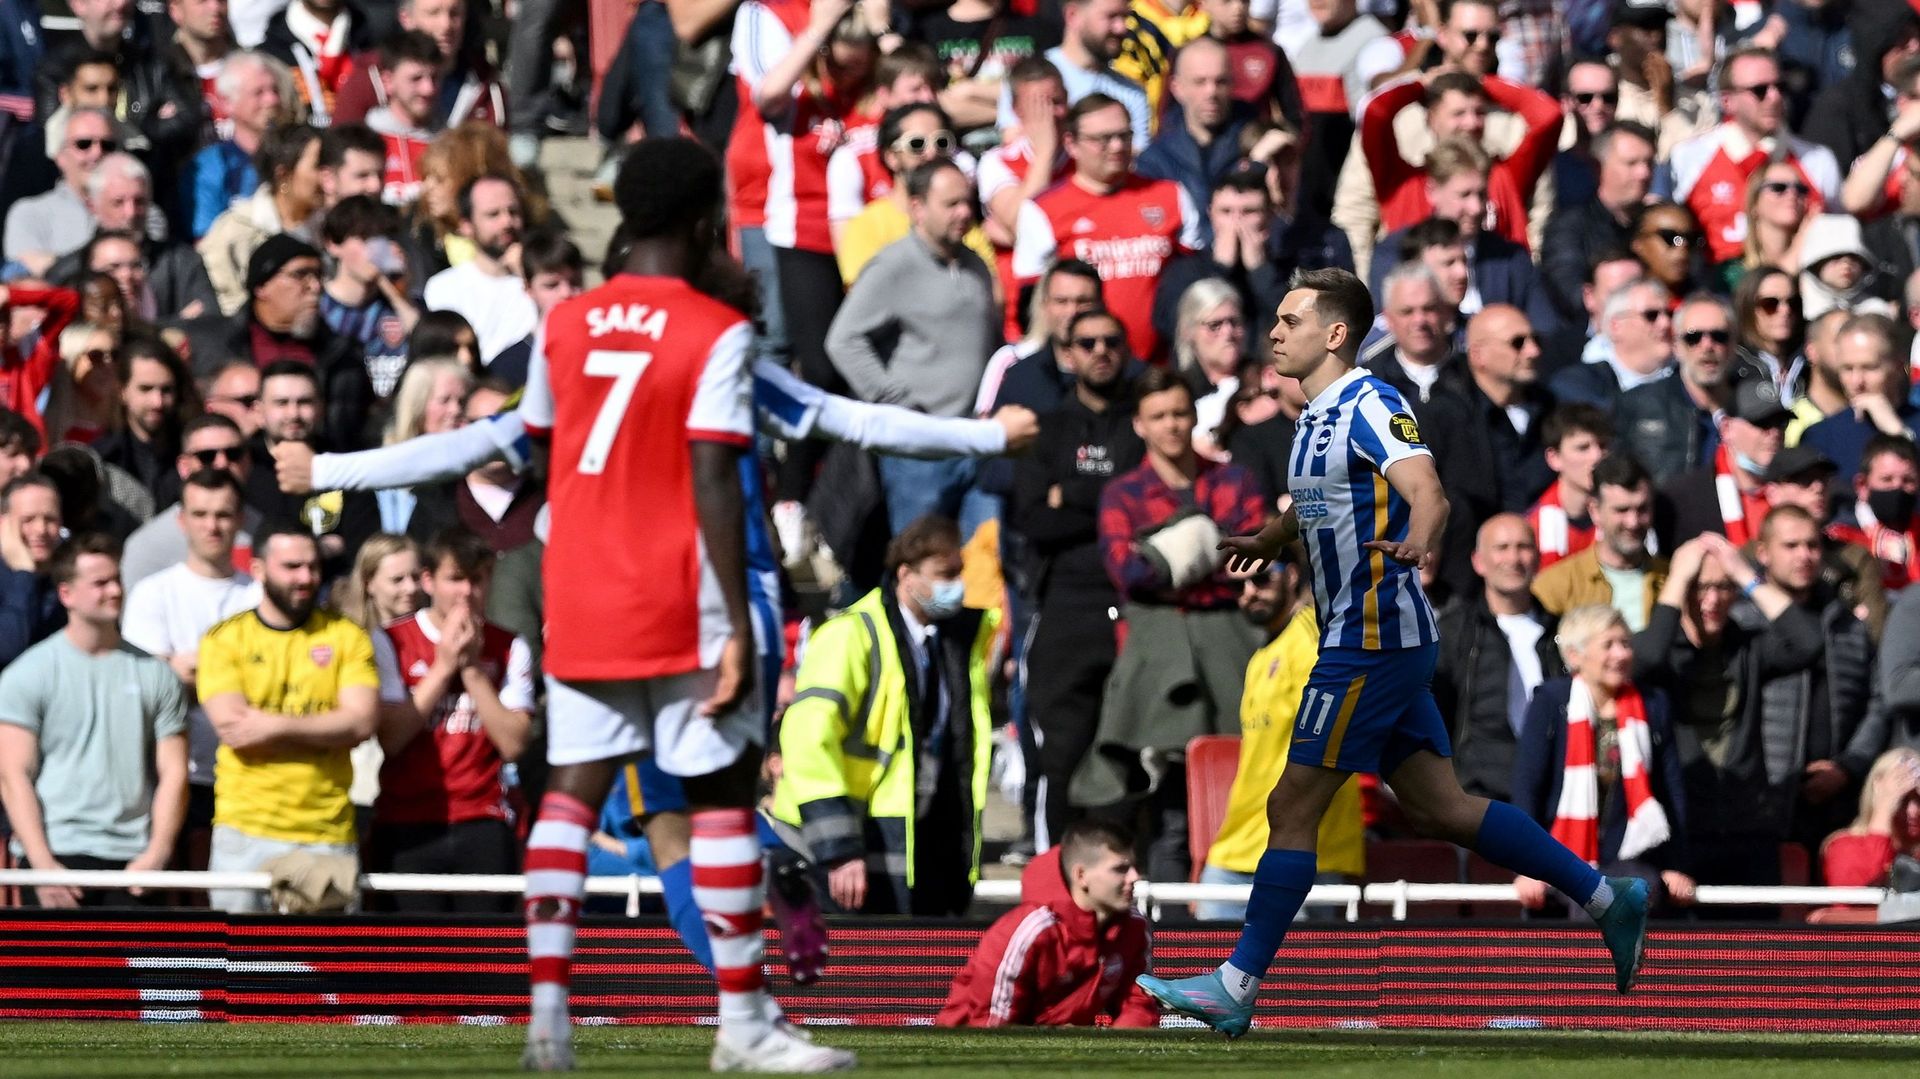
pixel 1072 267
pixel 1603 142
pixel 1339 296
pixel 1074 321
pixel 1605 253
pixel 919 179
pixel 212 479
pixel 1158 380
pixel 437 334
pixel 1085 839
pixel 281 149
pixel 665 186
pixel 263 539
pixel 340 140
pixel 414 45
pixel 1884 445
pixel 208 420
pixel 929 536
pixel 1622 470
pixel 290 368
pixel 1637 216
pixel 468 551
pixel 24 480
pixel 360 216
pixel 547 251
pixel 87 56
pixel 1433 232
pixel 1452 82
pixel 1090 104
pixel 1247 181
pixel 466 191
pixel 65 563
pixel 1575 417
pixel 108 236
pixel 18 433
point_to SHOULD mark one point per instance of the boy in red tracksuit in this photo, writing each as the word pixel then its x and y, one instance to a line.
pixel 1069 952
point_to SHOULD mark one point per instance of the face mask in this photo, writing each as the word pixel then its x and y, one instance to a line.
pixel 1748 465
pixel 944 600
pixel 1891 508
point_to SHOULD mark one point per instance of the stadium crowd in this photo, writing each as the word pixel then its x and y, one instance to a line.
pixel 1648 270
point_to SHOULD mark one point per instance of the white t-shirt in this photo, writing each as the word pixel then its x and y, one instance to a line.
pixel 1523 634
pixel 498 308
pixel 167 614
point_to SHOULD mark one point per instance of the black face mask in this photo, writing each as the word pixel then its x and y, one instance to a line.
pixel 1891 508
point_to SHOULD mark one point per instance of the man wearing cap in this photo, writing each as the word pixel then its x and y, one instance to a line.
pixel 281 321
pixel 1875 382
pixel 1801 476
pixel 1729 495
pixel 1673 423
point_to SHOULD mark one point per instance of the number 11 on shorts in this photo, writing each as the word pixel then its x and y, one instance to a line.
pixel 625 369
pixel 1316 707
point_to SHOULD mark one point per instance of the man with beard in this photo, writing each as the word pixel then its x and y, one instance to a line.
pixel 289 409
pixel 281 321
pixel 487 290
pixel 290 688
pixel 1671 420
pixel 1056 501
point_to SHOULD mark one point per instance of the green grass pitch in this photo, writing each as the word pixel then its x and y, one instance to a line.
pixel 289 1051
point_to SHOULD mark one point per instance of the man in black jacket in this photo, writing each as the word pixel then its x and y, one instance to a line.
pixel 1670 423
pixel 1575 234
pixel 164 119
pixel 282 321
pixel 340 520
pixel 1494 651
pixel 1506 404
pixel 1056 505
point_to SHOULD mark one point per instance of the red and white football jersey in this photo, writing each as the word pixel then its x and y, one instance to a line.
pixel 777 168
pixel 1710 174
pixel 625 378
pixel 406 147
pixel 1129 235
pixel 450 772
pixel 855 174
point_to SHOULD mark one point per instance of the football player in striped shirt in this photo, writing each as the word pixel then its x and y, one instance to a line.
pixel 1368 507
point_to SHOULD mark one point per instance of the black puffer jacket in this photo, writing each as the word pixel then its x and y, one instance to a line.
pixel 1470 685
pixel 164 115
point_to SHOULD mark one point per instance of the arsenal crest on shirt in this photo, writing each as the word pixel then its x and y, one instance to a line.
pixel 1154 216
pixel 322 654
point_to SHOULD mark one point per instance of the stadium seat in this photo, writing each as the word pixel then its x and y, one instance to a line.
pixel 1421 861
pixel 1212 762
pixel 1481 871
pixel 1796 871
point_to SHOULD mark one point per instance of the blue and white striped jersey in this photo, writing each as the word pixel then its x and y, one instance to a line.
pixel 1344 442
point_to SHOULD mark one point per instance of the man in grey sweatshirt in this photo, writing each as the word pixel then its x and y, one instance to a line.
pixel 916 330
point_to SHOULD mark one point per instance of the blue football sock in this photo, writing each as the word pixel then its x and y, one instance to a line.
pixel 1280 885
pixel 1510 839
pixel 676 881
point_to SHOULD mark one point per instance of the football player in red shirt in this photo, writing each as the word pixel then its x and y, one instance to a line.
pixel 643 387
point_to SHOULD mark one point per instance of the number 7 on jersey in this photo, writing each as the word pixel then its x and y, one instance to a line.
pixel 625 369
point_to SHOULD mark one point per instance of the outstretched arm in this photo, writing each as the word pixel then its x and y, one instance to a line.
pixel 790 408
pixel 426 459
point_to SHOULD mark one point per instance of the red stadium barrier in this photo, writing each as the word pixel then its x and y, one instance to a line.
pixel 199 966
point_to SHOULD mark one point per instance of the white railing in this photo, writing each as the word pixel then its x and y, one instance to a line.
pixel 1398 896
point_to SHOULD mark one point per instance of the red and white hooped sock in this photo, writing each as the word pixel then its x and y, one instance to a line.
pixel 729 886
pixel 556 868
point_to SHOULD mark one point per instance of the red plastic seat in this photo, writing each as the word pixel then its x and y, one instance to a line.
pixel 1212 762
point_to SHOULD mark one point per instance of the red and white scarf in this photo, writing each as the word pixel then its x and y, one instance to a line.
pixel 1895 549
pixel 1576 820
pixel 1741 513
pixel 1554 531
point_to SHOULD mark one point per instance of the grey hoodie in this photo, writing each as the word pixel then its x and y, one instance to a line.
pixel 916 330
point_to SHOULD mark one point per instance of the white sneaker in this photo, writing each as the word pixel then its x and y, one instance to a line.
pixel 777 1051
pixel 547 1054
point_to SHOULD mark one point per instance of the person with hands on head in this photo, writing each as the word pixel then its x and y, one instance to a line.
pixel 1874 378
pixel 1887 827
pixel 1873 186
pixel 1368 705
